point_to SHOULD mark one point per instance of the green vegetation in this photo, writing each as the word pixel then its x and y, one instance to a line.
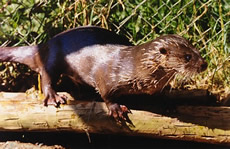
pixel 205 23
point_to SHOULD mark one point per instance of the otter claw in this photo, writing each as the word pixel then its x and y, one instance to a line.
pixel 125 109
pixel 55 100
pixel 119 112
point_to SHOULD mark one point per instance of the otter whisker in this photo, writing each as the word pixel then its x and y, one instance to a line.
pixel 167 75
pixel 170 78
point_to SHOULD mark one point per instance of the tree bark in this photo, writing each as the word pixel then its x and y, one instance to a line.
pixel 22 112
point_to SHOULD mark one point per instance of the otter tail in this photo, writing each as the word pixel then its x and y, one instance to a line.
pixel 23 54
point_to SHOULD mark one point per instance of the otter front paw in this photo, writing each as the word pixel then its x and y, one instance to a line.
pixel 119 112
pixel 55 100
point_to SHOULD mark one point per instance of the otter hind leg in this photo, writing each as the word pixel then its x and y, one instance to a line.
pixel 51 97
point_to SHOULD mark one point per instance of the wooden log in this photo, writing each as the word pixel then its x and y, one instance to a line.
pixel 21 112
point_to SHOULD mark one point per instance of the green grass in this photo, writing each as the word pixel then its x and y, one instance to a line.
pixel 205 23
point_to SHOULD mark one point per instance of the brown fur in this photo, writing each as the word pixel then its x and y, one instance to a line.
pixel 142 69
pixel 149 67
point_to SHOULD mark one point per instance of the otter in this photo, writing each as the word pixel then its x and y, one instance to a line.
pixel 109 63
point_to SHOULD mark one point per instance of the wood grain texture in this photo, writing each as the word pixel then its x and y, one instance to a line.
pixel 22 112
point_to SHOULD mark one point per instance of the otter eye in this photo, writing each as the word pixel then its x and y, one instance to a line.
pixel 163 51
pixel 188 57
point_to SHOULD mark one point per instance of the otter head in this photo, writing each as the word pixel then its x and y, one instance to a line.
pixel 179 55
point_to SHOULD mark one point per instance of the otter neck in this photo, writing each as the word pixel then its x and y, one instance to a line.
pixel 23 54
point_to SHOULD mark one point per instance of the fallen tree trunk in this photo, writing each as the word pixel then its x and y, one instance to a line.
pixel 21 112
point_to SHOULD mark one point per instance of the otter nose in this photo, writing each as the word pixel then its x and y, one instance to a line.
pixel 203 66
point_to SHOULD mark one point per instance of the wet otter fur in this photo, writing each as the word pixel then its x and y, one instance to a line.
pixel 103 60
pixel 143 69
pixel 50 59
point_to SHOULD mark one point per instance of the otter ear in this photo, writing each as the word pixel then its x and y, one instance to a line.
pixel 163 51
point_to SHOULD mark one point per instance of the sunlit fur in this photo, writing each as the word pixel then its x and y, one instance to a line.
pixel 174 59
pixel 153 68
